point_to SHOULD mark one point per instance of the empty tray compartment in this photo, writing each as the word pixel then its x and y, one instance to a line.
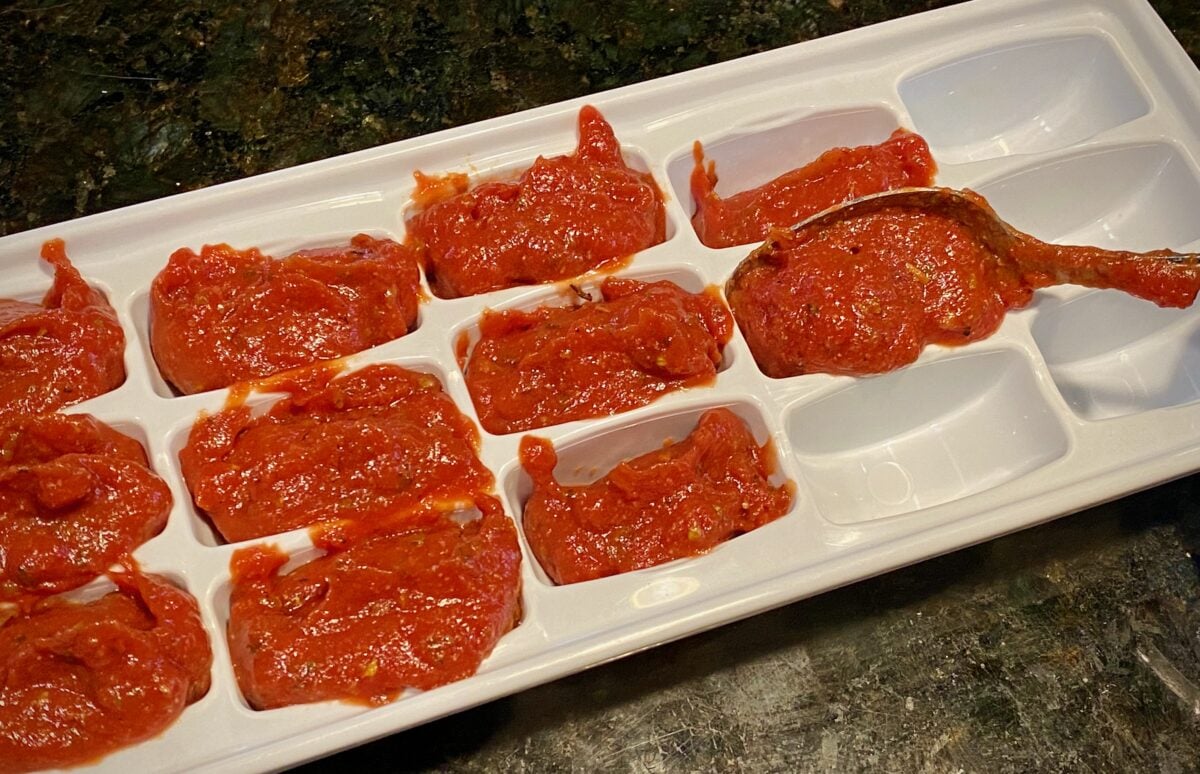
pixel 1124 197
pixel 924 435
pixel 1113 355
pixel 1027 97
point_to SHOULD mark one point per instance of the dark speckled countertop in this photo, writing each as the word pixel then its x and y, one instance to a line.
pixel 1071 647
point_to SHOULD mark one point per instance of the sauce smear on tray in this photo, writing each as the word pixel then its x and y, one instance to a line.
pixel 417 605
pixel 83 680
pixel 227 315
pixel 557 364
pixel 67 349
pixel 836 176
pixel 75 497
pixel 360 446
pixel 865 294
pixel 679 501
pixel 564 216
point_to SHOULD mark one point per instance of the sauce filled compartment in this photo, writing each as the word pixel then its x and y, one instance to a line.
pixel 324 445
pixel 225 314
pixel 77 496
pixel 594 349
pixel 771 152
pixel 555 218
pixel 638 498
pixel 925 435
pixel 372 613
pixel 111 665
pixel 1109 354
pixel 61 345
pixel 1024 97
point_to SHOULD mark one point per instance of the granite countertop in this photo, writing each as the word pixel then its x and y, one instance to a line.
pixel 1071 647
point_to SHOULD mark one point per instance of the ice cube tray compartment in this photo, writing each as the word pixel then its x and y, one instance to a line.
pixel 1142 196
pixel 925 435
pixel 964 445
pixel 1111 357
pixel 1000 102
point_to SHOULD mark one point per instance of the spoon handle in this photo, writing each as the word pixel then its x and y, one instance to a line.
pixel 1164 277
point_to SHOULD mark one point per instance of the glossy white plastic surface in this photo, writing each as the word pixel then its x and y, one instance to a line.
pixel 1080 118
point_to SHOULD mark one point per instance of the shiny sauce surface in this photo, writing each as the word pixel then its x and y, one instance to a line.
pixel 82 680
pixel 865 295
pixel 377 440
pixel 75 497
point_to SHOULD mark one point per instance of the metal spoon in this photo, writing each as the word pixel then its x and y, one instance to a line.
pixel 1178 274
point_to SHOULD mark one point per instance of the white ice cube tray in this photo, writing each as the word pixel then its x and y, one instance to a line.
pixel 1079 119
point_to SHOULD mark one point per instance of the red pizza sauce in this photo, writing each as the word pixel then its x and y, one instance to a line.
pixel 227 315
pixel 866 294
pixel 360 446
pixel 75 497
pixel 556 364
pixel 563 217
pixel 82 680
pixel 418 605
pixel 679 501
pixel 67 349
pixel 836 176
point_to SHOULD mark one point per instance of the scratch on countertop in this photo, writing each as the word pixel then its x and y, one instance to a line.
pixel 1175 681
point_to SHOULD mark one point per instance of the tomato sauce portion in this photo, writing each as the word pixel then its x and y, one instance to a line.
pixel 359 446
pixel 67 349
pixel 678 501
pixel 557 364
pixel 83 680
pixel 75 497
pixel 836 176
pixel 564 216
pixel 227 315
pixel 866 294
pixel 417 605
